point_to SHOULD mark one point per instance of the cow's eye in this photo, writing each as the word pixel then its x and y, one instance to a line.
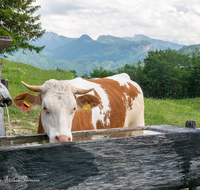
pixel 74 109
pixel 44 108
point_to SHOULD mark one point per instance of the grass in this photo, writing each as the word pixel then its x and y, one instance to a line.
pixel 171 112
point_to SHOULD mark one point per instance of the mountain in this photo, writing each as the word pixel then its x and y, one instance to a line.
pixel 77 49
pixel 52 40
pixel 84 54
pixel 87 48
pixel 158 44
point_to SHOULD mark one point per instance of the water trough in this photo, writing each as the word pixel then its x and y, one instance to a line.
pixel 168 159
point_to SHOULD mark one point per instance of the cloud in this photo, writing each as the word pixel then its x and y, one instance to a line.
pixel 171 19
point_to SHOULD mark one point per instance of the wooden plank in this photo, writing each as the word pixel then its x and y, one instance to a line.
pixel 164 161
pixel 5 98
pixel 5 41
pixel 2 126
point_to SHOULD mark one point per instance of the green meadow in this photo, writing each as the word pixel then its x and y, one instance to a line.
pixel 171 112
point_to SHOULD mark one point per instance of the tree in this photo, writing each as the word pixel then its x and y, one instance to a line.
pixel 100 73
pixel 129 69
pixel 18 22
pixel 166 73
pixel 139 73
pixel 194 81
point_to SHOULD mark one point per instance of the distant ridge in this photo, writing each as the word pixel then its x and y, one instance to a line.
pixel 84 54
pixel 110 39
pixel 158 44
pixel 190 49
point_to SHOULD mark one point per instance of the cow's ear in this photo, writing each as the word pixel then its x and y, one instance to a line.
pixel 87 101
pixel 27 98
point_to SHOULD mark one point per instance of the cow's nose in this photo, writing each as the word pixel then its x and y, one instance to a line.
pixel 62 138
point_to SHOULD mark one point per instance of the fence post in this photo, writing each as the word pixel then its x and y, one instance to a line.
pixel 191 124
pixel 2 125
pixel 5 41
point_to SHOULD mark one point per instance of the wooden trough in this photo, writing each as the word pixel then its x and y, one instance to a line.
pixel 169 159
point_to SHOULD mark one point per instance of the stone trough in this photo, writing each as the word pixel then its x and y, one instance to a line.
pixel 151 157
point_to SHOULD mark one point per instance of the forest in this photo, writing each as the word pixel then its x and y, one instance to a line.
pixel 163 74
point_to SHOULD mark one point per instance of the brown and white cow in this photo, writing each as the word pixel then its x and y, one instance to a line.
pixel 85 104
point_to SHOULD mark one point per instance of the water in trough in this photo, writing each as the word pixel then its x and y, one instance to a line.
pixel 38 140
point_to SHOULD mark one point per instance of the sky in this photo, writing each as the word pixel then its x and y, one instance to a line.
pixel 172 20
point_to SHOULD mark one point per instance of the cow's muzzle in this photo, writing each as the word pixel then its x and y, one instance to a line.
pixel 62 138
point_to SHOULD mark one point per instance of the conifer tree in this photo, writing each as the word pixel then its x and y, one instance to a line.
pixel 17 21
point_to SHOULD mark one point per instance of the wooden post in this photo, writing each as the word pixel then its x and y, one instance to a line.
pixel 2 125
pixel 191 124
pixel 5 41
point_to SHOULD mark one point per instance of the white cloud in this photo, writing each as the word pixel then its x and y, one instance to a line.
pixel 165 19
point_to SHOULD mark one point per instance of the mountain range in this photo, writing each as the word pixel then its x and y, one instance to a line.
pixel 84 54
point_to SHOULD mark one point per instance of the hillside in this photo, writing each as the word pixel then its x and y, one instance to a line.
pixel 189 49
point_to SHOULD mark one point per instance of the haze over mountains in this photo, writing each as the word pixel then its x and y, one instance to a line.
pixel 85 54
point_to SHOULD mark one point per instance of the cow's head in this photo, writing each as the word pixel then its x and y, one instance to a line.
pixel 59 100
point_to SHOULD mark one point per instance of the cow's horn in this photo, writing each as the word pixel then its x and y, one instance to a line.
pixel 82 91
pixel 32 88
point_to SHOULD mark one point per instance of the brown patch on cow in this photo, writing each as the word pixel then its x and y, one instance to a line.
pixel 93 100
pixel 40 126
pixel 31 98
pixel 120 98
pixel 59 97
pixel 82 120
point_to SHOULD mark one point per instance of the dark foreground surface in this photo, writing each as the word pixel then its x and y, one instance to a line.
pixel 164 161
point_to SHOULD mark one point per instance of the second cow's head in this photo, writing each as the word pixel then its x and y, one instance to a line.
pixel 59 100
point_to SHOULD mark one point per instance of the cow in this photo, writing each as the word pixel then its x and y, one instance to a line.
pixel 85 104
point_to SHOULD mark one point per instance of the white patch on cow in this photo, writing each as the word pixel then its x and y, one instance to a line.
pixel 97 114
pixel 121 79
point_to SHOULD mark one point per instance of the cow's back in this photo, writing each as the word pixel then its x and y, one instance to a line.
pixel 122 103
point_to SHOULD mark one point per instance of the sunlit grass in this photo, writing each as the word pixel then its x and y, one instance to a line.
pixel 172 112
